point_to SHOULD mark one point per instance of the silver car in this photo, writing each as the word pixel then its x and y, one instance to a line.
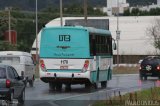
pixel 11 85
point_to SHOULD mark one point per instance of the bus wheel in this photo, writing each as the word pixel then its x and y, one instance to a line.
pixel 59 87
pixel 95 85
pixel 52 86
pixel 104 84
pixel 87 85
pixel 68 87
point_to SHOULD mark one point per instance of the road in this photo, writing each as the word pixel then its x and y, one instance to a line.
pixel 40 95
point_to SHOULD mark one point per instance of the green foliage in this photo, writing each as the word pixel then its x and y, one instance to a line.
pixel 127 12
pixel 4 46
pixel 77 10
pixel 137 12
pixel 154 33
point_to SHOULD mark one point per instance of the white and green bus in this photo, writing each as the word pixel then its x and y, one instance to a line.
pixel 75 55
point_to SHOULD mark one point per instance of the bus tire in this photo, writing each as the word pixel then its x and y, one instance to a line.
pixel 68 87
pixel 87 85
pixel 95 85
pixel 103 84
pixel 52 86
pixel 59 87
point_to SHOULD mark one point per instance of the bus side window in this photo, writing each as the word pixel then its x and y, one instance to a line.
pixel 92 45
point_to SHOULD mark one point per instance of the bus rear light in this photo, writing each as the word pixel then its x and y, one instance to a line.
pixel 42 65
pixel 85 66
pixel 8 83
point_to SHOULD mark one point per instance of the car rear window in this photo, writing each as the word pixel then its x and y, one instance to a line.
pixel 2 73
pixel 150 61
pixel 10 60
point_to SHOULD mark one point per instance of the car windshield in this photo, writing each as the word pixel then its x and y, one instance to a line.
pixel 2 73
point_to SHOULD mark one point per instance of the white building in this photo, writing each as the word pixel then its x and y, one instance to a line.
pixel 112 7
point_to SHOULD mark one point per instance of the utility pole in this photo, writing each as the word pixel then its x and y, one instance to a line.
pixel 37 58
pixel 9 23
pixel 85 12
pixel 61 12
pixel 118 33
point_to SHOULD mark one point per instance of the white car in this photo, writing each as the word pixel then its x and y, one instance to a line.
pixel 22 62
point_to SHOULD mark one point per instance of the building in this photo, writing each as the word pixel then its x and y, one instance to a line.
pixel 113 5
pixel 134 44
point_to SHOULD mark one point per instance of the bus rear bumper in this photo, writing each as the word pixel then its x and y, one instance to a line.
pixel 76 78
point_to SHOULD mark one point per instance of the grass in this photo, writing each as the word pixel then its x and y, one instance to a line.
pixel 125 70
pixel 149 97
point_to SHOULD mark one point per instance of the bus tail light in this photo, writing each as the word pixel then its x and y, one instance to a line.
pixel 42 65
pixel 85 66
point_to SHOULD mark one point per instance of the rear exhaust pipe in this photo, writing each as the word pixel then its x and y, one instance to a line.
pixel 55 75
pixel 72 75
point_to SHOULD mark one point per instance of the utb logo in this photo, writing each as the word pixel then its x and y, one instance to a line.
pixel 64 38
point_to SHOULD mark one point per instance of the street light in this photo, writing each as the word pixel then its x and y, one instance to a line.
pixel 37 62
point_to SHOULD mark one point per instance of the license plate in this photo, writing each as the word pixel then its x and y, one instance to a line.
pixel 63 67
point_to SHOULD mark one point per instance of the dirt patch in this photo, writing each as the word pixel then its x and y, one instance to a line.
pixel 125 70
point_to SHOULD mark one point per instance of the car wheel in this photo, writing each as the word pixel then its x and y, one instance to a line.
pixel 10 97
pixel 145 77
pixel 22 98
pixel 140 77
pixel 104 84
pixel 31 83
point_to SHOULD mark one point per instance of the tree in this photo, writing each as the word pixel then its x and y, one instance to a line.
pixel 5 46
pixel 135 12
pixel 127 12
pixel 154 33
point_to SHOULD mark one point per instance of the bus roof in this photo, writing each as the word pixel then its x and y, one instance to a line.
pixel 91 30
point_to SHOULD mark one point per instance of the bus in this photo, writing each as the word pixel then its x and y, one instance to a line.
pixel 75 55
